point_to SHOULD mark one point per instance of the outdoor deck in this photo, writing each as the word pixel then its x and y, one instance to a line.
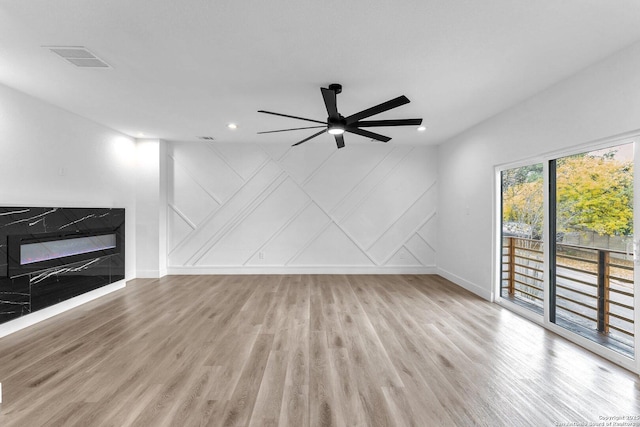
pixel 594 288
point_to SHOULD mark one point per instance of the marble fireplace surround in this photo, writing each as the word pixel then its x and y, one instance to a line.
pixel 27 286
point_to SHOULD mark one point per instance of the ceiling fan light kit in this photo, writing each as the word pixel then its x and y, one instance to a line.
pixel 336 124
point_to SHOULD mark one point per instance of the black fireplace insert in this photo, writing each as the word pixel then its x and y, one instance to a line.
pixel 29 254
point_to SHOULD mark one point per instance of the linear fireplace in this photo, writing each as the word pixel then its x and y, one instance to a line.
pixel 29 254
pixel 51 254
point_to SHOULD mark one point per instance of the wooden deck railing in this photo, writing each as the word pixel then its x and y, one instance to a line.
pixel 594 285
pixel 522 270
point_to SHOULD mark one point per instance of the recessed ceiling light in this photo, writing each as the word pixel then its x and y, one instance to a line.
pixel 232 126
pixel 140 134
pixel 422 129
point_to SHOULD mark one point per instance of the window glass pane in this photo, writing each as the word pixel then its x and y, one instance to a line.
pixel 592 274
pixel 522 247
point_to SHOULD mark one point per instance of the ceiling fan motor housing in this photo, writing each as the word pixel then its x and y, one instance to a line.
pixel 336 125
pixel 336 87
pixel 336 121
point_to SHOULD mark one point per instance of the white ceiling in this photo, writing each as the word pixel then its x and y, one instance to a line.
pixel 187 68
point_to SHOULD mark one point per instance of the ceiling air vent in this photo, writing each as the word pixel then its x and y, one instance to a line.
pixel 206 138
pixel 78 56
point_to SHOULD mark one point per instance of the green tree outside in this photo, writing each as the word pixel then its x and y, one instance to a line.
pixel 522 198
pixel 594 193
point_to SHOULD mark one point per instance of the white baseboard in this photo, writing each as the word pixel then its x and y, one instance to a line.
pixel 470 286
pixel 193 270
pixel 150 274
pixel 31 319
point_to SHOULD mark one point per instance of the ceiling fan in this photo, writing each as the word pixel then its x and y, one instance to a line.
pixel 337 124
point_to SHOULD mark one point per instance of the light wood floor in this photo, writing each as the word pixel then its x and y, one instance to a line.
pixel 302 351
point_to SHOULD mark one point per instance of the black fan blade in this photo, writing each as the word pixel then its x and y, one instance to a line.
pixel 380 108
pixel 400 122
pixel 287 130
pixel 306 139
pixel 292 117
pixel 339 141
pixel 329 97
pixel 368 134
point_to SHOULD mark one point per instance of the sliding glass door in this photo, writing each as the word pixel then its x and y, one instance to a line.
pixel 591 289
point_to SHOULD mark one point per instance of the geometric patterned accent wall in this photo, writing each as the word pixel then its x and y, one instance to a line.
pixel 249 205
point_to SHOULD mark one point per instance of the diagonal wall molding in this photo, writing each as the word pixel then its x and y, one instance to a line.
pixel 212 225
pixel 224 159
pixel 184 170
pixel 383 172
pixel 367 179
pixel 181 215
pixel 310 241
pixel 318 168
pixel 236 221
pixel 284 226
pixel 385 231
pixel 410 235
pixel 272 222
pixel 346 233
pixel 421 237
pixel 332 221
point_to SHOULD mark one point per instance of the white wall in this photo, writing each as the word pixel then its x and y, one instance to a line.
pixel 151 208
pixel 50 157
pixel 599 102
pixel 260 208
